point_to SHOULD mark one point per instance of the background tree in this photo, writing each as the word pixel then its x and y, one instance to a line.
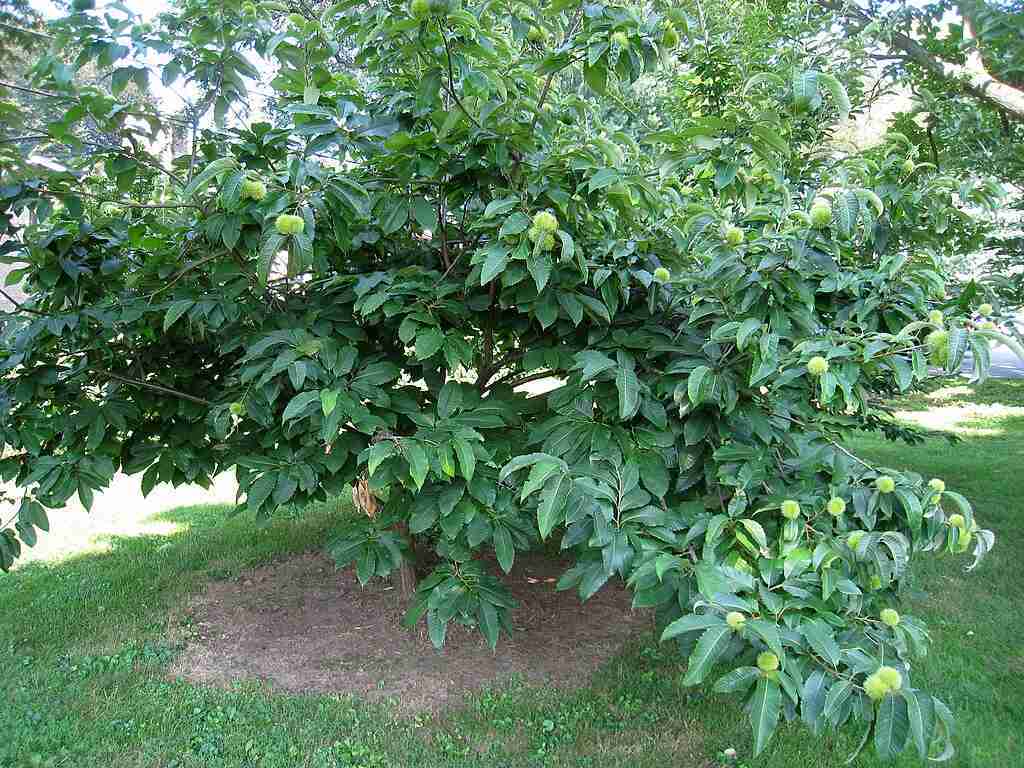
pixel 449 203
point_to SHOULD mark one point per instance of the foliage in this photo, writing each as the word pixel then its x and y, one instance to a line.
pixel 358 293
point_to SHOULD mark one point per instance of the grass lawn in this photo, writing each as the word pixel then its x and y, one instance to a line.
pixel 87 642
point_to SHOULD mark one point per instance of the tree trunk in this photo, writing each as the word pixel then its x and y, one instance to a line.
pixel 406 577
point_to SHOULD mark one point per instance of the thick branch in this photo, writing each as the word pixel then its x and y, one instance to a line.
pixel 972 78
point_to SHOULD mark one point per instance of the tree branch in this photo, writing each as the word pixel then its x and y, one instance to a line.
pixel 973 79
pixel 149 385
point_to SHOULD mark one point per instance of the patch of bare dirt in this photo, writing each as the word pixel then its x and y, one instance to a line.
pixel 303 626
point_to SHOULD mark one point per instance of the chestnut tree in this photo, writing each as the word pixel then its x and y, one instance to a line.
pixel 440 205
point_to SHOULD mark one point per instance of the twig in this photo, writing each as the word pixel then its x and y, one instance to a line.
pixel 19 305
pixel 150 385
pixel 102 199
pixel 31 137
pixel 451 79
pixel 182 272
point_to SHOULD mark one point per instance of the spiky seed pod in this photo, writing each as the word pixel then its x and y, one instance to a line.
pixel 790 509
pixel 889 617
pixel 817 366
pixel 985 309
pixel 537 35
pixel 836 506
pixel 253 189
pixel 669 35
pixel 821 214
pixel 735 620
pixel 937 485
pixel 891 677
pixel 875 688
pixel 767 661
pixel 620 39
pixel 935 317
pixel 938 346
pixel 290 225
pixel 885 484
pixel 545 221
pixel 733 235
pixel 957 521
pixel 662 275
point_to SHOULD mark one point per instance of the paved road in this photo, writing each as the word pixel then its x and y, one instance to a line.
pixel 1005 364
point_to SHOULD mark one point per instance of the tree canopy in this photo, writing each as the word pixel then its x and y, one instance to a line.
pixel 443 204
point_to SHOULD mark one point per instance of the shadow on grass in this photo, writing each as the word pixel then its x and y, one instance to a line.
pixel 634 713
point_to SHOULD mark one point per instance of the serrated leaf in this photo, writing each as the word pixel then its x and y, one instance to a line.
pixel 892 727
pixel 629 392
pixel 419 465
pixel 299 403
pixel 921 716
pixel 764 712
pixel 710 646
pixel 737 680
pixel 176 310
pixel 467 458
pixel 494 264
pixel 692 623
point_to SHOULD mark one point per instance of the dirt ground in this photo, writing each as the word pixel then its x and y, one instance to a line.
pixel 303 626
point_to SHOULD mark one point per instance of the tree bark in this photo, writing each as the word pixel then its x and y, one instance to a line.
pixel 406 577
pixel 972 77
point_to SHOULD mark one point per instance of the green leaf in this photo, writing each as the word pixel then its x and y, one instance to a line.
pixel 603 178
pixel 846 210
pixel 593 364
pixel 424 213
pixel 418 463
pixel 328 400
pixel 710 646
pixel 299 403
pixel 821 638
pixel 764 712
pixel 551 510
pixel 428 342
pixel 466 456
pixel 500 207
pixel 836 698
pixel 691 623
pixel 176 310
pixel 837 91
pixel 503 548
pixel 378 453
pixel 495 263
pixel 737 681
pixel 449 399
pixel 201 179
pixel 747 328
pixel 540 270
pixel 526 460
pixel 395 215
pixel 921 716
pixel 514 224
pixel 271 247
pixel 629 392
pixel 769 632
pixel 892 727
pixel 696 386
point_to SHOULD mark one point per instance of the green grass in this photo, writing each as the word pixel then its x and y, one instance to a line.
pixel 88 640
